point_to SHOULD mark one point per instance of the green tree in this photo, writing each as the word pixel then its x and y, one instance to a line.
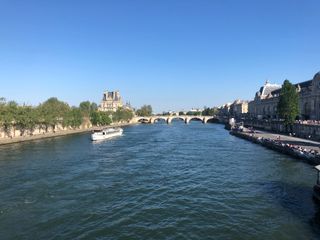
pixel 94 106
pixel 165 113
pixel 2 101
pixel 85 108
pixel 8 112
pixel 100 118
pixel 73 118
pixel 105 119
pixel 288 105
pixel 122 115
pixel 2 110
pixel 191 113
pixel 95 118
pixel 52 112
pixel 209 111
pixel 26 118
pixel 145 110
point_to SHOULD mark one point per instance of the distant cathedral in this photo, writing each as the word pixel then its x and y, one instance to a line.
pixel 111 101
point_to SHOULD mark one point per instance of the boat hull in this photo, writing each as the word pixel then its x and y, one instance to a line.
pixel 100 136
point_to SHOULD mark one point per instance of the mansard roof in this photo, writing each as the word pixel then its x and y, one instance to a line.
pixel 316 75
pixel 268 88
pixel 304 84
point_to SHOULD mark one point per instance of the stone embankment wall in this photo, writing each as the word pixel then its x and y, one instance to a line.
pixel 310 131
pixel 278 146
pixel 39 130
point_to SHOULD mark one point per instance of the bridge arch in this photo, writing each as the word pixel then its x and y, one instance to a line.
pixel 206 120
pixel 197 118
pixel 143 119
pixel 168 119
pixel 159 118
pixel 176 117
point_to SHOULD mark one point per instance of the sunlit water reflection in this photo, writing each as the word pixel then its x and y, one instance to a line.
pixel 155 182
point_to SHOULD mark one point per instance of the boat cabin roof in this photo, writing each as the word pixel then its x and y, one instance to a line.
pixel 317 167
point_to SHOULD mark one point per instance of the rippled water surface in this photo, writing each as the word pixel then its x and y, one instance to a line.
pixel 156 182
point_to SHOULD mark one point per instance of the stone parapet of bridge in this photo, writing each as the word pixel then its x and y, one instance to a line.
pixel 168 119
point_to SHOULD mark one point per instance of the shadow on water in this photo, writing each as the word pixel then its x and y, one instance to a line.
pixel 297 200
pixel 214 120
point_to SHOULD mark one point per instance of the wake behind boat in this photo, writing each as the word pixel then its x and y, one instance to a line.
pixel 106 133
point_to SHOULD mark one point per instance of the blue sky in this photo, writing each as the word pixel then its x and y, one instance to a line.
pixel 170 54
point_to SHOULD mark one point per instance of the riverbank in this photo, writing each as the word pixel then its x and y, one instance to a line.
pixel 300 148
pixel 57 134
pixel 302 129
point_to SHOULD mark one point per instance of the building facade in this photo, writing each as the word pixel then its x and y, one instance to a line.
pixel 225 110
pixel 239 108
pixel 264 105
pixel 111 101
pixel 265 102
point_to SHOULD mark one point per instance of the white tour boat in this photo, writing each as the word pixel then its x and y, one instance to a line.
pixel 106 133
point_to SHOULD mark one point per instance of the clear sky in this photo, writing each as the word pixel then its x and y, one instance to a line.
pixel 170 54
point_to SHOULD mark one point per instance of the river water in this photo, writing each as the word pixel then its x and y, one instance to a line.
pixel 156 181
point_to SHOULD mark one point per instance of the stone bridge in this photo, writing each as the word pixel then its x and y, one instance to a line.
pixel 168 119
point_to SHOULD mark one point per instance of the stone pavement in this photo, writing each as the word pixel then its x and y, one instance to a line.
pixel 304 143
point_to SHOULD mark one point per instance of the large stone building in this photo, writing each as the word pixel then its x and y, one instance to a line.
pixel 224 110
pixel 111 101
pixel 266 100
pixel 239 108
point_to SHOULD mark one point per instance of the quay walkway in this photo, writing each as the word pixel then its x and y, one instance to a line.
pixel 297 147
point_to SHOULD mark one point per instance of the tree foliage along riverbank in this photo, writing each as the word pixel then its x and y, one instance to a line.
pixel 145 111
pixel 205 112
pixel 54 112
